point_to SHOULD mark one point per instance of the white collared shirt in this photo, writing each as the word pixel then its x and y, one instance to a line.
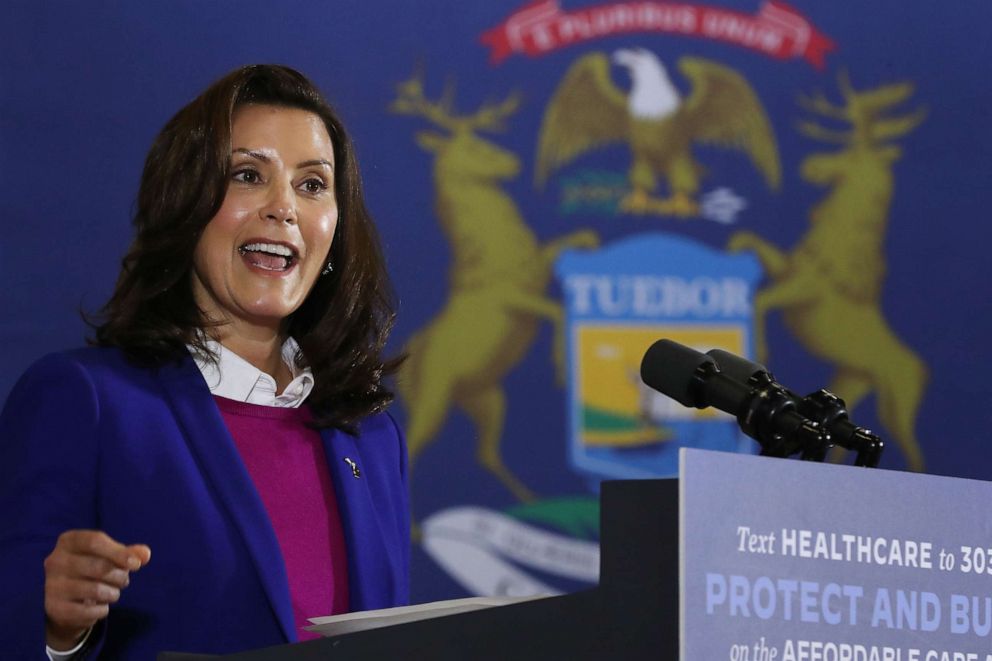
pixel 233 377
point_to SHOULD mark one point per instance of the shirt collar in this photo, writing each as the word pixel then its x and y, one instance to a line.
pixel 233 377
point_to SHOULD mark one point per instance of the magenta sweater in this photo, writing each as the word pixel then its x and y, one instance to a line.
pixel 286 461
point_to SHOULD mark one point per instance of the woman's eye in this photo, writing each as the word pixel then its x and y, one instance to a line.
pixel 314 186
pixel 247 176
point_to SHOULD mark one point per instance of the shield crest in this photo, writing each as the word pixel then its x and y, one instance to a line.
pixel 617 302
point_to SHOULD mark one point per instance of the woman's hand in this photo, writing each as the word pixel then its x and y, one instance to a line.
pixel 84 574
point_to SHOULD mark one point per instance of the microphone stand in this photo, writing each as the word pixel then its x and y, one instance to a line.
pixel 769 405
pixel 830 411
pixel 822 407
pixel 765 410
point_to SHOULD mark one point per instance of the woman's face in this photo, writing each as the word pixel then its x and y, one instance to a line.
pixel 258 258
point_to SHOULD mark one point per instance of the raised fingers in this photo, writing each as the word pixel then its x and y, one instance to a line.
pixel 101 545
pixel 87 566
pixel 75 614
pixel 142 552
pixel 84 574
pixel 81 591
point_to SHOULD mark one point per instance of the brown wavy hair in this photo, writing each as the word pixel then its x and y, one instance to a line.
pixel 343 324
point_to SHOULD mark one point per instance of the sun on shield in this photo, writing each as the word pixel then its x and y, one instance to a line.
pixel 618 301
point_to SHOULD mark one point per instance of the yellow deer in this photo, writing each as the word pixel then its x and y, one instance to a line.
pixel 497 282
pixel 829 286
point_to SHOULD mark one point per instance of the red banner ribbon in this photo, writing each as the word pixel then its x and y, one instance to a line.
pixel 777 30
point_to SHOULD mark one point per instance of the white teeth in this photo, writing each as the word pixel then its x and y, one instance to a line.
pixel 272 248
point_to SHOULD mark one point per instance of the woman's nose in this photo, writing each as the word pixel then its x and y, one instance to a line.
pixel 280 205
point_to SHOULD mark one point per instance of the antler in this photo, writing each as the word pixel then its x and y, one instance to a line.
pixel 823 134
pixel 821 106
pixel 492 116
pixel 410 100
pixel 864 111
pixel 894 127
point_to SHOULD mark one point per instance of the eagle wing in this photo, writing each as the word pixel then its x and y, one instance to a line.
pixel 587 110
pixel 724 110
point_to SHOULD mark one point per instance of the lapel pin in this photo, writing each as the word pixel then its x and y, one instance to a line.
pixel 355 470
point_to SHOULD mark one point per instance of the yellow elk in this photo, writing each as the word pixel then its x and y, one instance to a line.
pixel 497 282
pixel 829 287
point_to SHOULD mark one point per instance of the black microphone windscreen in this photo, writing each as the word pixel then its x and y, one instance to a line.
pixel 736 367
pixel 670 367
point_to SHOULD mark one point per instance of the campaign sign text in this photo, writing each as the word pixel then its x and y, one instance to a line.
pixel 784 560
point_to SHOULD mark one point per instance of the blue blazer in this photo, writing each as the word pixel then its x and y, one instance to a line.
pixel 88 440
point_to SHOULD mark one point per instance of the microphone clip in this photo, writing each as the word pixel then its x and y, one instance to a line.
pixel 771 417
pixel 831 412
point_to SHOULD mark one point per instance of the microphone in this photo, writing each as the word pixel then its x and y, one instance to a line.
pixel 765 410
pixel 822 407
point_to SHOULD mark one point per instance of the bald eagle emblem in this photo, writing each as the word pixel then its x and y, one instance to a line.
pixel 589 111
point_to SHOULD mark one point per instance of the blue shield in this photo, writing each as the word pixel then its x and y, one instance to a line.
pixel 618 301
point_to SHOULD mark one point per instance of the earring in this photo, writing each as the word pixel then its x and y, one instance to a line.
pixel 328 268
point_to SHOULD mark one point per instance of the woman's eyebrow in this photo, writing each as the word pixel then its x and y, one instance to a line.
pixel 316 161
pixel 253 154
pixel 266 159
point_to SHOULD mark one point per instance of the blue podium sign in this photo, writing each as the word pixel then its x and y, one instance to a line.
pixel 794 561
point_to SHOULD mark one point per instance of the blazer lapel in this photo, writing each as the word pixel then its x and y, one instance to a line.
pixel 211 443
pixel 367 556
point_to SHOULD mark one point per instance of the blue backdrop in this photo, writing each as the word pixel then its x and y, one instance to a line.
pixel 84 87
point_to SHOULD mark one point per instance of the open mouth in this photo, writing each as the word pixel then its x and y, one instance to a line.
pixel 269 256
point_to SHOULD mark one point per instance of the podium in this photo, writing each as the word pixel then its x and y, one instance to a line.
pixel 632 613
pixel 742 558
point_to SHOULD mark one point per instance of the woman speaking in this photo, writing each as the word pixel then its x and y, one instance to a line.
pixel 218 468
